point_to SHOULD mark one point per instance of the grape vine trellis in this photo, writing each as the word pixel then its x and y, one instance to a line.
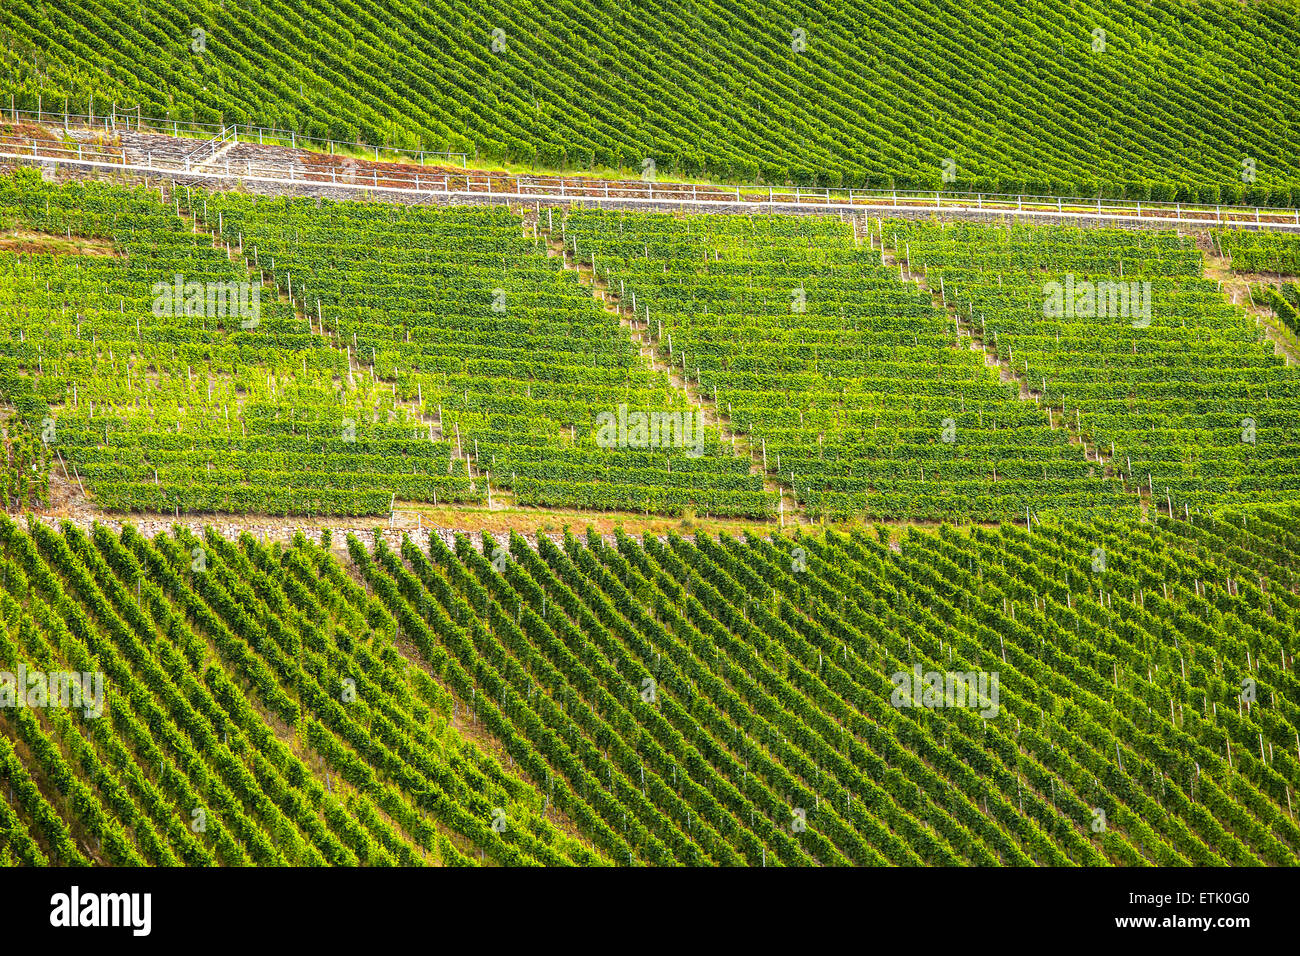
pixel 716 701
pixel 1185 102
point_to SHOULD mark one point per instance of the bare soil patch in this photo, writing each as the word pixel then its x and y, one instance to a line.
pixel 26 241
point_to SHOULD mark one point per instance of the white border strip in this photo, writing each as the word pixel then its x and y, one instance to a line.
pixel 565 194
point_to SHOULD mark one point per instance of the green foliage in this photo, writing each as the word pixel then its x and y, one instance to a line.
pixel 185 766
pixel 699 702
pixel 1130 344
pixel 497 344
pixel 1260 250
pixel 178 411
pixel 857 390
pixel 1082 99
pixel 683 699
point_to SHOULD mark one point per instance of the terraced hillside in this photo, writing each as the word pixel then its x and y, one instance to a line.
pixel 663 701
pixel 675 433
pixel 465 314
pixel 446 356
pixel 1183 99
pixel 1254 251
pixel 253 710
pixel 155 371
pixel 1123 335
pixel 142 379
pixel 863 396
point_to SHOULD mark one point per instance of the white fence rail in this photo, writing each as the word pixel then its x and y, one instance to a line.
pixel 205 151
pixel 543 187
pixel 130 119
pixel 396 182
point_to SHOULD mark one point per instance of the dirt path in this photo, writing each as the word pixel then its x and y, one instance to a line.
pixel 31 242
pixel 1236 286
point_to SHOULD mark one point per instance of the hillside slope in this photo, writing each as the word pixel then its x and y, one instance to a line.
pixel 1127 696
pixel 1171 100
